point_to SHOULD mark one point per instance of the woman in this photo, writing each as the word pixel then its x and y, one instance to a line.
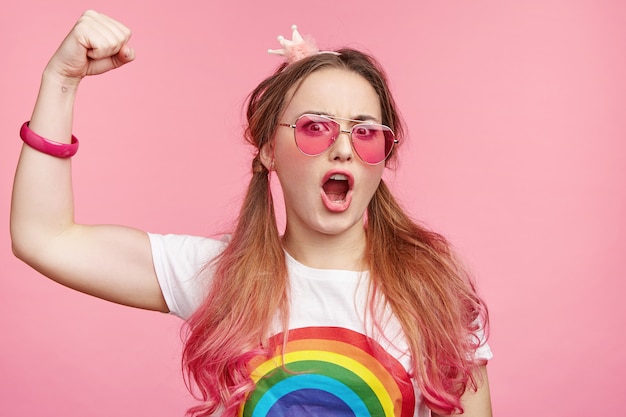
pixel 353 310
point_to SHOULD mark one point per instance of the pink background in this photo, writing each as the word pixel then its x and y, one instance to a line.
pixel 516 151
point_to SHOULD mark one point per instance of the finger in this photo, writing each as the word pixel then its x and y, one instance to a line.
pixel 103 37
pixel 123 30
pixel 106 21
pixel 115 31
pixel 105 41
pixel 125 55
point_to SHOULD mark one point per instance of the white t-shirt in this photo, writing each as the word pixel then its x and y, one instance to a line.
pixel 330 365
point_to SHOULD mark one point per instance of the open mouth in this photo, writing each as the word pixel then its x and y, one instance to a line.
pixel 337 187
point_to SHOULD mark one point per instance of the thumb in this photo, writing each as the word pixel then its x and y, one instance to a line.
pixel 125 55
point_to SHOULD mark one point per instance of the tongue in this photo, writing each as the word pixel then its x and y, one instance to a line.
pixel 336 190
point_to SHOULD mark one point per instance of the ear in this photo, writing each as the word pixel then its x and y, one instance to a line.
pixel 266 155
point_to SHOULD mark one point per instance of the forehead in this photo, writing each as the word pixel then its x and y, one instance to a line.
pixel 336 92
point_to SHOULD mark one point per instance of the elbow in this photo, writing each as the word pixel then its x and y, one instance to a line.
pixel 30 252
pixel 19 248
pixel 34 247
pixel 19 237
pixel 23 246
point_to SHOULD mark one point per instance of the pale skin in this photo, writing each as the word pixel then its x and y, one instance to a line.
pixel 115 262
pixel 316 228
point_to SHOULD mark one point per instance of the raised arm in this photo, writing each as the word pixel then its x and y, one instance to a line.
pixel 109 262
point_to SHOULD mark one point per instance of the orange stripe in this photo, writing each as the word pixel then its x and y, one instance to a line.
pixel 351 353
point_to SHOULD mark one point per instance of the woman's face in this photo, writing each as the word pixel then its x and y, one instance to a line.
pixel 326 194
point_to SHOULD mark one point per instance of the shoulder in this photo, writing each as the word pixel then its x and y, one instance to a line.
pixel 186 245
pixel 180 262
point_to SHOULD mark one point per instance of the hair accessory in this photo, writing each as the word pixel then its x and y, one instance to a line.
pixel 49 147
pixel 297 48
pixel 257 165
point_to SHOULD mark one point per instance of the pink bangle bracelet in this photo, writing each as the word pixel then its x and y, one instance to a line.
pixel 49 147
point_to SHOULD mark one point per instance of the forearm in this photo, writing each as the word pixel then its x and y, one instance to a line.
pixel 42 204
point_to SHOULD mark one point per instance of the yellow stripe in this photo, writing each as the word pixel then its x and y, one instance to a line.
pixel 324 356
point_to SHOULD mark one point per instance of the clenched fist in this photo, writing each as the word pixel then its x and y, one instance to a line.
pixel 95 44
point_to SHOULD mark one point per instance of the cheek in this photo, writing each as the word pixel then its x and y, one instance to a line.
pixel 374 176
pixel 370 184
pixel 291 168
pixel 284 143
pixel 287 156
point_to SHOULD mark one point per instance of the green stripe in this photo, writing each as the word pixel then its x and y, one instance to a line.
pixel 331 370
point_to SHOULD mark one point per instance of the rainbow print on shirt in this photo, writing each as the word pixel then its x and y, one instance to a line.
pixel 331 372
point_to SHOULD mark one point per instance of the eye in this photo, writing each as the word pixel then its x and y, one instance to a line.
pixel 365 131
pixel 315 126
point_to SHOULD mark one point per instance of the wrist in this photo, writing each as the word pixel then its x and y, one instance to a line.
pixel 56 98
pixel 52 114
pixel 62 83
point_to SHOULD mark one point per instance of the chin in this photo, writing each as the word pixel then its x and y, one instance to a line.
pixel 341 226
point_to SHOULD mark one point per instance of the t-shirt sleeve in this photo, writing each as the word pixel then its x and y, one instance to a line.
pixel 181 263
pixel 484 351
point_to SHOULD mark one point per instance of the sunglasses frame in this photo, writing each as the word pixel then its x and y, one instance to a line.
pixel 349 132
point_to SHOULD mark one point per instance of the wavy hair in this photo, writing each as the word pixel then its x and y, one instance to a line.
pixel 412 270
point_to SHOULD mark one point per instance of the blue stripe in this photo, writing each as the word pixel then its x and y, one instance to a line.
pixel 310 382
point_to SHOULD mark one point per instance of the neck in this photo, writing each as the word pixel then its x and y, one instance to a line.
pixel 317 250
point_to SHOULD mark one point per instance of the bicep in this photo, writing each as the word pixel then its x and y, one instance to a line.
pixel 476 403
pixel 109 262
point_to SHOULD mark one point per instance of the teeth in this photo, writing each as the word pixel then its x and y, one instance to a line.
pixel 339 177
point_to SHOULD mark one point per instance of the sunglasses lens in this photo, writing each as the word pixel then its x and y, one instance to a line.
pixel 373 143
pixel 314 134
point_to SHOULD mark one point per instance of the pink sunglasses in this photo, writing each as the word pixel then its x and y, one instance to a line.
pixel 315 133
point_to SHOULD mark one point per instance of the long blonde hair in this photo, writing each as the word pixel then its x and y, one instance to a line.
pixel 412 270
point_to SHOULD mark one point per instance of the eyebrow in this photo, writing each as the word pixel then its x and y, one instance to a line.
pixel 357 118
pixel 365 118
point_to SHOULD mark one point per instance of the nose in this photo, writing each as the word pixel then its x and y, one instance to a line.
pixel 341 149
